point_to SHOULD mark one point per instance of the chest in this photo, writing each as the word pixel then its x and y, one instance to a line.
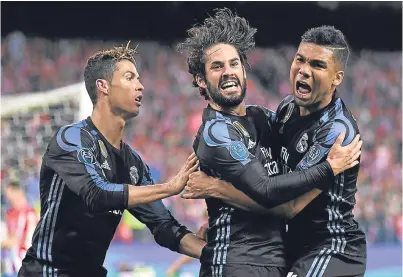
pixel 118 166
pixel 293 140
pixel 260 142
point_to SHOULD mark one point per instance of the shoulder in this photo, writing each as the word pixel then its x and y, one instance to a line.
pixel 261 111
pixel 219 131
pixel 74 137
pixel 287 101
pixel 335 120
pixel 285 109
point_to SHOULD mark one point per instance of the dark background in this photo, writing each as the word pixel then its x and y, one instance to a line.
pixel 367 25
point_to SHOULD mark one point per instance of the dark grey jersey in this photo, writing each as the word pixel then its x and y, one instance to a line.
pixel 327 224
pixel 84 189
pixel 238 149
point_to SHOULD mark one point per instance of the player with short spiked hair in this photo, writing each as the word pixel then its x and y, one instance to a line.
pixel 89 176
pixel 323 239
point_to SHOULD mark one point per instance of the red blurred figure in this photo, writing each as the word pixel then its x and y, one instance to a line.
pixel 124 233
pixel 398 226
pixel 21 220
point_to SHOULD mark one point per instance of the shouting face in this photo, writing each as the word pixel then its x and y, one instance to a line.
pixel 314 75
pixel 225 78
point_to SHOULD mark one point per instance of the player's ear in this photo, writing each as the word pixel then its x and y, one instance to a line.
pixel 200 81
pixel 102 86
pixel 338 78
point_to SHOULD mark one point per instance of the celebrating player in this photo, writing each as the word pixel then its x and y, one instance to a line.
pixel 89 176
pixel 323 239
pixel 233 143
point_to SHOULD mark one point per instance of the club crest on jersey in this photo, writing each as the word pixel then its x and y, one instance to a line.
pixel 238 150
pixel 85 156
pixel 302 144
pixel 134 175
pixel 313 155
pixel 103 149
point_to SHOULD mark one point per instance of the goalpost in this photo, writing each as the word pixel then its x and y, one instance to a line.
pixel 14 104
pixel 29 120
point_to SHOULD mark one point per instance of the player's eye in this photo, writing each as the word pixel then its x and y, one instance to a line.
pixel 318 65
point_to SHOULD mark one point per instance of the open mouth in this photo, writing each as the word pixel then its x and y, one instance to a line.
pixel 303 88
pixel 138 99
pixel 229 85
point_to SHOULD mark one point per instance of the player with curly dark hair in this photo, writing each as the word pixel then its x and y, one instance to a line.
pixel 323 239
pixel 224 30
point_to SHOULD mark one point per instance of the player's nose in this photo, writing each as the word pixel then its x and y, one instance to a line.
pixel 228 70
pixel 305 71
pixel 139 86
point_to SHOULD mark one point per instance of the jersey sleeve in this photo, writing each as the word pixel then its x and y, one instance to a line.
pixel 72 155
pixel 324 139
pixel 165 228
pixel 222 150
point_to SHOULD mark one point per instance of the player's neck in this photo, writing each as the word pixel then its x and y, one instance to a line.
pixel 239 110
pixel 304 111
pixel 111 126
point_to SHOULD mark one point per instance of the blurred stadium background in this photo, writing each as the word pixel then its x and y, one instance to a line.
pixel 44 48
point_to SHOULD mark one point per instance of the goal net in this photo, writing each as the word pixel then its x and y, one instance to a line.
pixel 28 122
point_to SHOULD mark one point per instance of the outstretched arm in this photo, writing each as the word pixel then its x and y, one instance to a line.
pixel 71 154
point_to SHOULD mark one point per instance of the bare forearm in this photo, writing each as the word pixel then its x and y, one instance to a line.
pixel 176 265
pixel 191 245
pixel 181 262
pixel 146 194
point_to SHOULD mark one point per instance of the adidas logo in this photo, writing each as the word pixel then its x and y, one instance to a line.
pixel 105 165
pixel 251 144
pixel 291 274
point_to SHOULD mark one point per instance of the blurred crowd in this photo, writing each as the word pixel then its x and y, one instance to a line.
pixel 171 114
